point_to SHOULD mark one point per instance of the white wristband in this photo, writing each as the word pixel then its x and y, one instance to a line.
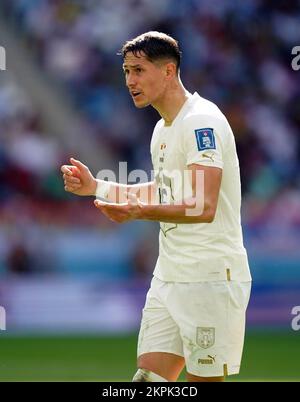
pixel 102 189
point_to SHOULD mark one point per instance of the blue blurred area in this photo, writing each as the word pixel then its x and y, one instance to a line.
pixel 235 53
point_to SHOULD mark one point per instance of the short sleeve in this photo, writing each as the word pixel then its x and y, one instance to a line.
pixel 204 141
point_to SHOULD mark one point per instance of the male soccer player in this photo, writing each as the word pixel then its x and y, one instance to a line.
pixel 194 313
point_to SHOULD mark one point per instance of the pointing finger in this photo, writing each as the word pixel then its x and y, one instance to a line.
pixel 78 164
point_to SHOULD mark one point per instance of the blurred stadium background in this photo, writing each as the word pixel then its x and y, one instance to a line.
pixel 72 283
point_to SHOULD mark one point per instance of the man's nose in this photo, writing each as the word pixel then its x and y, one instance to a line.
pixel 130 81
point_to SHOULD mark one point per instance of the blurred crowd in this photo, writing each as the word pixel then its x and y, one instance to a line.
pixel 235 53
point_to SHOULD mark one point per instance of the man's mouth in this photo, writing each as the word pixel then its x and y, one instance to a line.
pixel 134 94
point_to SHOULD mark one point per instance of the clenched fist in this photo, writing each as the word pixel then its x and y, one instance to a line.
pixel 78 179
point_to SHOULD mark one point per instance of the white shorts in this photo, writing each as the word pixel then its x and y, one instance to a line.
pixel 204 322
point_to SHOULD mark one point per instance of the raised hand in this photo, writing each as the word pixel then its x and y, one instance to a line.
pixel 78 179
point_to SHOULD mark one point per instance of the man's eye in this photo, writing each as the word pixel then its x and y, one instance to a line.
pixel 138 70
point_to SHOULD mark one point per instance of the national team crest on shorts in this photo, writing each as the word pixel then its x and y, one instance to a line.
pixel 205 139
pixel 205 337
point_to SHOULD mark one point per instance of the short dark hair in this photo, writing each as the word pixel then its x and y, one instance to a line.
pixel 155 45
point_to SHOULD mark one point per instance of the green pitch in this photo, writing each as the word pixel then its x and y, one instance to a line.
pixel 267 357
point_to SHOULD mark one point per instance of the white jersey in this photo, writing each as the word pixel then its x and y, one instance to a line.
pixel 214 251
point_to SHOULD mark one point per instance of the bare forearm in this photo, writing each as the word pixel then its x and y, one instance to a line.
pixel 145 192
pixel 188 212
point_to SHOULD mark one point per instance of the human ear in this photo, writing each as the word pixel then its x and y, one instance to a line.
pixel 170 70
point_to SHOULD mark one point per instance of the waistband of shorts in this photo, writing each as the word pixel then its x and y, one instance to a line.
pixel 227 268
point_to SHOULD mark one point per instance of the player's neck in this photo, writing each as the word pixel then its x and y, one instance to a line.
pixel 170 104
